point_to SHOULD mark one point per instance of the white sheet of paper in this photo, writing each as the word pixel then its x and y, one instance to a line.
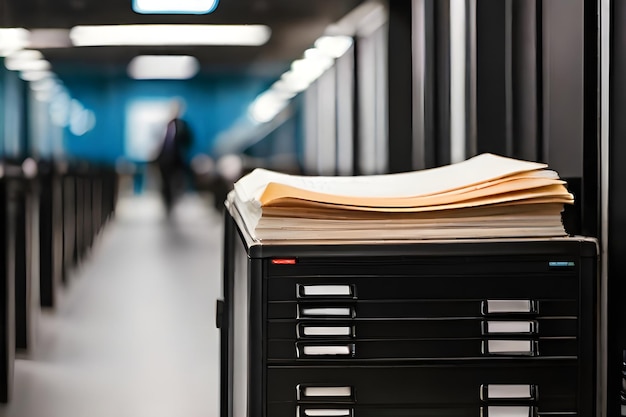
pixel 475 170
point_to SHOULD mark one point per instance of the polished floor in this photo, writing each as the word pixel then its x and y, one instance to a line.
pixel 134 332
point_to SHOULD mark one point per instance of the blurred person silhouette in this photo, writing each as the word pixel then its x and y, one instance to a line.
pixel 172 158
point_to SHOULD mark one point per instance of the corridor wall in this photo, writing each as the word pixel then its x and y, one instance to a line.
pixel 213 103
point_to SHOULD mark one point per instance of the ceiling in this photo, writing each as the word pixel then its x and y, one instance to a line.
pixel 295 25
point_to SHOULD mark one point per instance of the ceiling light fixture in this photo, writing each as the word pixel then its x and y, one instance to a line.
pixel 166 35
pixel 174 6
pixel 26 60
pixel 334 46
pixel 35 75
pixel 163 67
pixel 13 39
pixel 267 106
pixel 46 84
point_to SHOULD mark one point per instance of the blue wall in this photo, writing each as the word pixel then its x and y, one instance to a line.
pixel 213 103
pixel 12 117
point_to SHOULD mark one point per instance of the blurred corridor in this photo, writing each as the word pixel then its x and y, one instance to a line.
pixel 134 333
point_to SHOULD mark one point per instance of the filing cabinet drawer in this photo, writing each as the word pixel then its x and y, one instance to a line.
pixel 386 287
pixel 479 263
pixel 420 308
pixel 554 384
pixel 289 410
pixel 419 328
pixel 353 350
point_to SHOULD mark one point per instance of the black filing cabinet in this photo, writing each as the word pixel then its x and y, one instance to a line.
pixel 463 328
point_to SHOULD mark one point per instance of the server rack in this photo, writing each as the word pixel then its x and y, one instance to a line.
pixel 446 328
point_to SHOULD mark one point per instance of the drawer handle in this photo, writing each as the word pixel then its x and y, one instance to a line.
pixel 507 411
pixel 313 331
pixel 508 392
pixel 326 312
pixel 510 347
pixel 324 412
pixel 308 392
pixel 325 291
pixel 327 350
pixel 510 327
pixel 509 306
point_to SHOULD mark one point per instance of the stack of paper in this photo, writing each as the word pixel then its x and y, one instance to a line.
pixel 482 197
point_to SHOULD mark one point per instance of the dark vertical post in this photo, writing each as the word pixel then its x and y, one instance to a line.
pixel 424 69
pixel 226 320
pixel 491 77
pixel 524 79
pixel 47 286
pixel 69 224
pixel 257 387
pixel 590 194
pixel 400 86
pixel 442 80
pixel 356 112
pixel 470 78
pixel 22 304
pixel 430 88
pixel 616 249
pixel 8 212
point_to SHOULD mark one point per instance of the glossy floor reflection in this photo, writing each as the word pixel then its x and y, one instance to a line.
pixel 134 333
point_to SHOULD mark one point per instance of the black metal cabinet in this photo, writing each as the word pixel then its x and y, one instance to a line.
pixel 8 216
pixel 50 233
pixel 457 328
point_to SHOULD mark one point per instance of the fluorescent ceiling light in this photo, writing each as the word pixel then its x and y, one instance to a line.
pixel 304 72
pixel 362 20
pixel 334 46
pixel 163 67
pixel 26 60
pixel 282 88
pixel 13 39
pixel 155 35
pixel 174 6
pixel 46 84
pixel 267 106
pixel 34 76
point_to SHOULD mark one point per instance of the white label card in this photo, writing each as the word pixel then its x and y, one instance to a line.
pixel 508 412
pixel 327 311
pixel 326 350
pixel 508 306
pixel 328 290
pixel 327 391
pixel 319 412
pixel 509 326
pixel 514 347
pixel 495 391
pixel 326 331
